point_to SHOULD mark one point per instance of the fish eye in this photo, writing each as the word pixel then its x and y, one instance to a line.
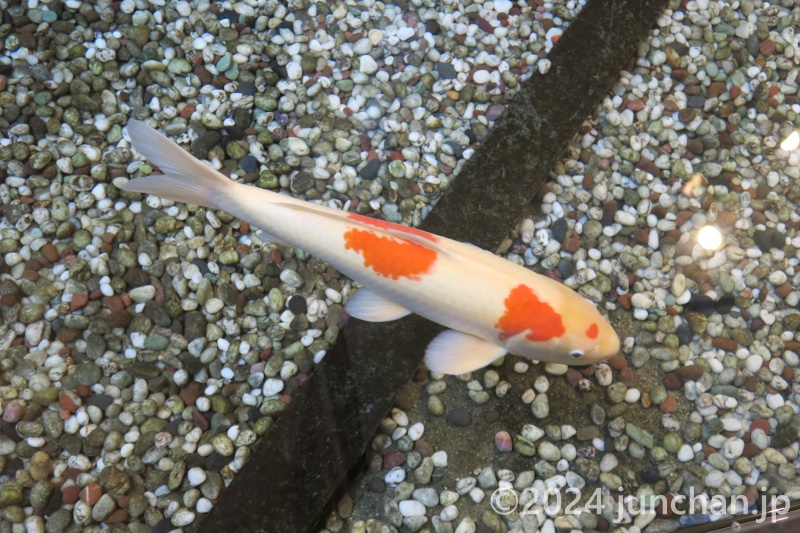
pixel 575 354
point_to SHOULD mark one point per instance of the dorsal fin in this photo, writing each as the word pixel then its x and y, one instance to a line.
pixel 398 234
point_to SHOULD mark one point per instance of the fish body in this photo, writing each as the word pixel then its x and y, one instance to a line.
pixel 491 306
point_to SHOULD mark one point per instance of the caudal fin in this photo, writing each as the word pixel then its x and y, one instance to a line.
pixel 186 179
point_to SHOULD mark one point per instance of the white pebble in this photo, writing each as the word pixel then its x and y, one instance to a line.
pixel 196 476
pixel 439 458
pixel 416 431
pixel 395 475
pixel 273 386
pixel 481 76
pixel 412 508
pixel 608 463
pixel 685 453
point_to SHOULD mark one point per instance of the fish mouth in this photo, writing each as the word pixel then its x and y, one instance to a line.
pixel 611 345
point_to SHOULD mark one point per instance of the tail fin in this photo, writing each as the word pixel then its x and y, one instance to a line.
pixel 186 178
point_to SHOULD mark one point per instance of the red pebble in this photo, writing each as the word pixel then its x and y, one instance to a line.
pixel 669 405
pixel 393 459
pixel 69 400
pixel 70 494
pixel 13 412
pixel 503 441
pixel 91 493
pixel 79 301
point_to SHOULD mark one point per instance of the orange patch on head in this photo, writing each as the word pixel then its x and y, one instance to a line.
pixel 525 311
pixel 383 224
pixel 390 257
pixel 592 331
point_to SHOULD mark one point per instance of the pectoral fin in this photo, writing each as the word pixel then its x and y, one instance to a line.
pixel 453 352
pixel 371 307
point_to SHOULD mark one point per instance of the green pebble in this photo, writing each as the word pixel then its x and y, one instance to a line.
pixel 673 442
pixel 616 392
pixel 165 225
pixel 658 394
pixel 397 169
pixel 718 461
pixel 179 66
pixel 479 397
pixel 262 425
pixel 612 481
pixel 435 406
pixel 222 444
pixel 31 312
pixel 523 446
pixel 156 342
pixel 13 514
pixel 618 409
pixel 272 407
pixel 692 431
pixel 658 453
pixel 276 300
pixel 229 257
pixel 10 494
pixel 221 404
pixel 639 436
pixel 403 491
pixel 424 471
pixel 714 426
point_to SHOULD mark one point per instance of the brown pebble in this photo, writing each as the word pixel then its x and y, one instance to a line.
pixel 491 416
pixel 691 372
pixel 79 301
pixel 424 448
pixel 726 219
pixel 628 377
pixel 191 392
pixel 750 450
pixel 50 252
pixel 672 381
pixel 573 377
pixel 669 404
pixel 374 462
pixel 784 290
pixel 119 516
pixel 587 433
pixel 767 48
pixel 664 505
pixel 618 362
pixel 345 506
pixel 716 88
pixel 725 343
pixel 646 402
pixel 571 243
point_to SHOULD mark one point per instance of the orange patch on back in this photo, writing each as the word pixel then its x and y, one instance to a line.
pixel 525 311
pixel 390 257
pixel 592 331
pixel 383 224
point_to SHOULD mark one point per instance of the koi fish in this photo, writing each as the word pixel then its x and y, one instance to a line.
pixel 490 305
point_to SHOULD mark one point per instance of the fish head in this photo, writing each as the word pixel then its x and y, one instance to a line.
pixel 562 328
pixel 589 336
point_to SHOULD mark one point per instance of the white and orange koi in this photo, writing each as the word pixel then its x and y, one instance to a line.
pixel 491 306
